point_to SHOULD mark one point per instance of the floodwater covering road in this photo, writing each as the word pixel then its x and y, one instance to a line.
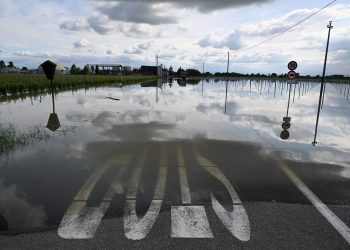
pixel 178 165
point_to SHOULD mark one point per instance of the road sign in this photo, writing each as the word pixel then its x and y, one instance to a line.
pixel 287 119
pixel 49 69
pixel 284 135
pixel 292 65
pixel 286 125
pixel 292 75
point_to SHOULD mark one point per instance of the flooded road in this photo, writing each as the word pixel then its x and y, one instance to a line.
pixel 179 161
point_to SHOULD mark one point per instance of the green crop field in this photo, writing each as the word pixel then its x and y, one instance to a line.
pixel 18 84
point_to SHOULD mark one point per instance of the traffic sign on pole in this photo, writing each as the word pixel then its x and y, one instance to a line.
pixel 292 75
pixel 292 65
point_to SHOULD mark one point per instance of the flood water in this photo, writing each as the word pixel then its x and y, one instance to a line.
pixel 39 180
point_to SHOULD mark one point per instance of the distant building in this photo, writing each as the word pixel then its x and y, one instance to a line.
pixel 105 69
pixel 151 70
pixel 10 70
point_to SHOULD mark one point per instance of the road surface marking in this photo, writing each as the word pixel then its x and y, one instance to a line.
pixel 81 222
pixel 189 222
pixel 185 190
pixel 138 228
pixel 338 224
pixel 237 221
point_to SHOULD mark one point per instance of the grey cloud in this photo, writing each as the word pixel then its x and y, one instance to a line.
pixel 136 12
pixel 232 41
pixel 138 49
pixel 133 30
pixel 145 46
pixel 202 5
pixel 99 24
pixel 133 50
pixel 76 25
pixel 81 43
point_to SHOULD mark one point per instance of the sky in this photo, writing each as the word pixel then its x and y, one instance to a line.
pixel 183 33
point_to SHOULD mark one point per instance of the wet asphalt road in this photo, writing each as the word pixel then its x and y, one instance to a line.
pixel 273 197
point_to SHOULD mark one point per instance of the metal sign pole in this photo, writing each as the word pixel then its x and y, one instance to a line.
pixel 322 82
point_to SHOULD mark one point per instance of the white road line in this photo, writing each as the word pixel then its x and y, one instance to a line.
pixel 81 222
pixel 185 190
pixel 135 178
pixel 237 221
pixel 338 224
pixel 189 222
pixel 138 228
pixel 217 173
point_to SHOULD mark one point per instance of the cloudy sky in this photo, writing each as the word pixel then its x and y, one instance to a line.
pixel 183 32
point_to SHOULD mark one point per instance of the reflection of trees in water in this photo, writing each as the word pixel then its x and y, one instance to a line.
pixel 12 139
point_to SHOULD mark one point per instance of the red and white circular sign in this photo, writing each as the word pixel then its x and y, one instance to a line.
pixel 292 75
pixel 292 65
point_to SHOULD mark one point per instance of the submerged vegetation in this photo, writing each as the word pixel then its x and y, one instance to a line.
pixel 11 139
pixel 21 84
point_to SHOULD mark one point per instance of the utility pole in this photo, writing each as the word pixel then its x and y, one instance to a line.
pixel 322 82
pixel 157 57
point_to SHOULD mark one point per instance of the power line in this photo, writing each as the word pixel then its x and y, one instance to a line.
pixel 301 21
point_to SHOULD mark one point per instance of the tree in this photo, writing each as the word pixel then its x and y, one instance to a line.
pixel 179 71
pixel 11 65
pixel 2 64
pixel 97 70
pixel 85 71
pixel 171 70
pixel 73 69
pixel 24 69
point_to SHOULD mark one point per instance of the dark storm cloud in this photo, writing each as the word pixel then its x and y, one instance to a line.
pixel 136 12
pixel 201 5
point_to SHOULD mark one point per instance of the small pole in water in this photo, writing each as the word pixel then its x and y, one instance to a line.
pixel 290 88
pixel 322 82
pixel 53 98
pixel 228 64
pixel 203 79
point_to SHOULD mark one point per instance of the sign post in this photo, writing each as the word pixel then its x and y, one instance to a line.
pixel 49 69
pixel 292 75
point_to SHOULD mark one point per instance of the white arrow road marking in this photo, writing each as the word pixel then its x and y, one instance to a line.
pixel 337 223
pixel 81 222
pixel 188 221
pixel 138 228
pixel 237 221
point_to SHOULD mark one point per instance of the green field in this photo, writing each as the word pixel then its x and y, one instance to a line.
pixel 19 84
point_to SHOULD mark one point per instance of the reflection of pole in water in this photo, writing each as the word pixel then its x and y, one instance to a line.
pixel 299 90
pixel 290 88
pixel 250 85
pixel 295 85
pixel 228 64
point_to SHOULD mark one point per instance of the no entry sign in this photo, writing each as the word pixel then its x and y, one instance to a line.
pixel 292 65
pixel 292 75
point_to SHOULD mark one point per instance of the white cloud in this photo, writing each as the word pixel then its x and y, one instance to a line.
pixel 232 41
